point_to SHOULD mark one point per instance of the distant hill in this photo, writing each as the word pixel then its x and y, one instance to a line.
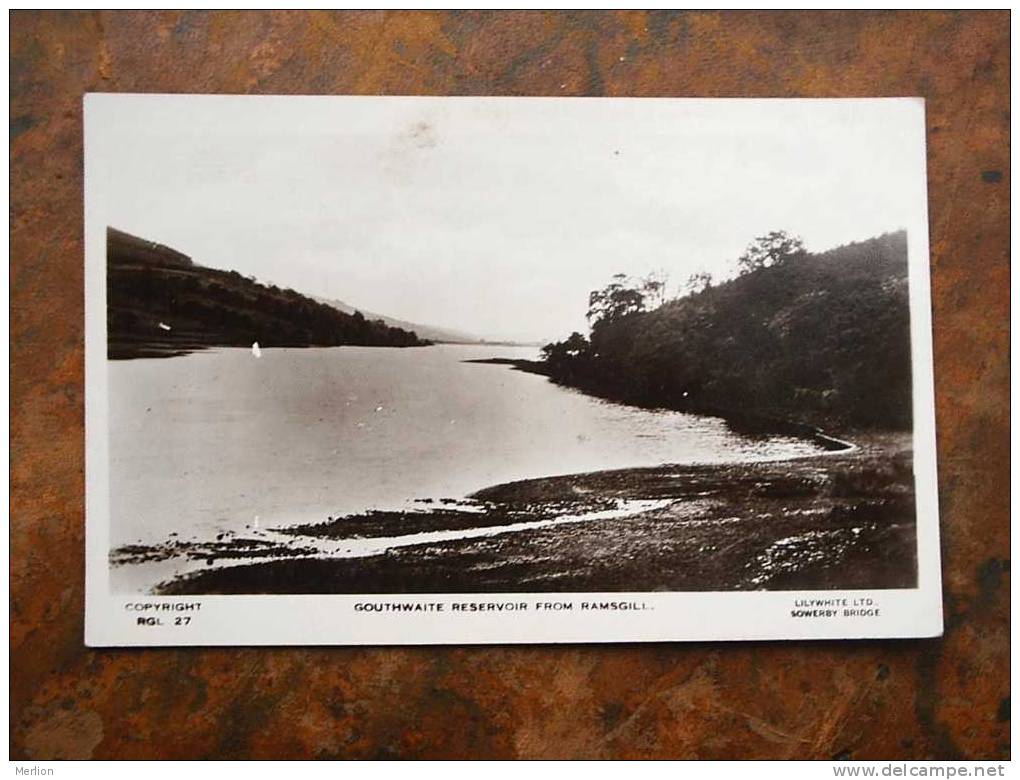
pixel 430 332
pixel 159 302
pixel 821 338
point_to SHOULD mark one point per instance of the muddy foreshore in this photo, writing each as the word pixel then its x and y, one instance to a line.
pixel 843 520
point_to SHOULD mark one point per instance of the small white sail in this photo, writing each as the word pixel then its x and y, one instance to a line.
pixel 256 350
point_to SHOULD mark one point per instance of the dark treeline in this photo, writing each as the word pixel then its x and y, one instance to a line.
pixel 815 338
pixel 159 302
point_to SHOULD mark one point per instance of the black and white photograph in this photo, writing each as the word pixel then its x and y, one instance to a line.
pixel 524 369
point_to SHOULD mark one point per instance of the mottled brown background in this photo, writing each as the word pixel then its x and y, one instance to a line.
pixel 944 698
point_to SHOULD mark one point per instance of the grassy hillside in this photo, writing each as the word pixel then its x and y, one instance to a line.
pixel 433 333
pixel 821 338
pixel 159 302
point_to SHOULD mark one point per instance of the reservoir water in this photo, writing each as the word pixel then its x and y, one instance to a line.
pixel 221 440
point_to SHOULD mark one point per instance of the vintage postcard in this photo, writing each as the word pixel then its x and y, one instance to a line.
pixel 416 370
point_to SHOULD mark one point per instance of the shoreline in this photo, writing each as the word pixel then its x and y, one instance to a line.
pixel 127 349
pixel 133 350
pixel 740 422
pixel 845 521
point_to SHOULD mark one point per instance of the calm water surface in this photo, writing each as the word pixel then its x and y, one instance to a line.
pixel 223 441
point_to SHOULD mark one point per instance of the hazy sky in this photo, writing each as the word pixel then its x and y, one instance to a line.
pixel 494 215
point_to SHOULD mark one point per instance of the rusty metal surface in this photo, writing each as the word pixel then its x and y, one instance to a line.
pixel 944 698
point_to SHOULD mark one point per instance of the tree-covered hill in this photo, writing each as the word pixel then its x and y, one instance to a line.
pixel 159 302
pixel 817 338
